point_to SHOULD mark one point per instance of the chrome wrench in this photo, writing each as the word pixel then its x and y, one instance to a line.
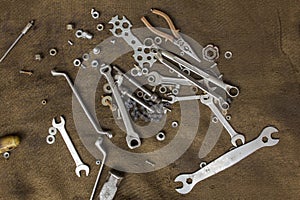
pixel 181 98
pixel 232 91
pixel 80 166
pixel 86 111
pixel 227 160
pixel 208 101
pixel 132 138
pixel 98 144
pixel 154 79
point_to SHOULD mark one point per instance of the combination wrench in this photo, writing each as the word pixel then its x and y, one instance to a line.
pixel 86 111
pixel 232 91
pixel 80 166
pixel 132 138
pixel 208 101
pixel 227 160
pixel 181 98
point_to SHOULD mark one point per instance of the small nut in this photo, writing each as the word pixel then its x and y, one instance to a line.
pixel 79 33
pixel 174 124
pixel 50 139
pixel 44 102
pixel 96 50
pixel 95 63
pixel 77 62
pixel 98 162
pixel 52 131
pixel 100 27
pixel 70 27
pixel 161 136
pixel 85 56
pixel 228 54
pixel 6 155
pixel 53 52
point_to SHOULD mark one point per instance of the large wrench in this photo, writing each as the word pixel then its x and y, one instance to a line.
pixel 132 138
pixel 227 160
pixel 86 111
pixel 80 166
pixel 208 101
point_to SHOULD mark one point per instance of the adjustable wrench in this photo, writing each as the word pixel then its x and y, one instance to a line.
pixel 208 101
pixel 80 166
pixel 182 98
pixel 227 160
pixel 132 138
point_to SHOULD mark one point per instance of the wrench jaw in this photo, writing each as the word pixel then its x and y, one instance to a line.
pixel 187 183
pixel 266 136
pixel 80 168
pixel 133 142
pixel 58 125
pixel 237 137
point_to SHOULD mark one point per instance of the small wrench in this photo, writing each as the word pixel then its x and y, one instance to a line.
pixel 80 166
pixel 132 138
pixel 227 160
pixel 182 98
pixel 208 101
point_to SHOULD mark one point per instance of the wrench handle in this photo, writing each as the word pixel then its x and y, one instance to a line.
pixel 70 146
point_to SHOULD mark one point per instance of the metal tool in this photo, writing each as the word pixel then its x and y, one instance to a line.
pixel 110 187
pixel 227 160
pixel 223 104
pixel 132 138
pixel 176 39
pixel 181 98
pixel 232 91
pixel 154 79
pixel 154 97
pixel 80 166
pixel 86 111
pixel 24 31
pixel 98 144
pixel 208 101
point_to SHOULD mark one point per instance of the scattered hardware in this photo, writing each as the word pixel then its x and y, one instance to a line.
pixel 24 31
pixel 50 139
pixel 80 166
pixel 38 57
pixel 100 27
pixel 95 14
pixel 210 53
pixel 83 34
pixel 8 143
pixel 228 54
pixel 53 52
pixel 44 102
pixel 110 187
pixel 29 73
pixel 227 160
pixel 70 27
pixel 161 136
pixel 70 42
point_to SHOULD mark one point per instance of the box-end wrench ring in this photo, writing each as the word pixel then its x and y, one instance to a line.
pixel 80 166
pixel 227 160
pixel 208 101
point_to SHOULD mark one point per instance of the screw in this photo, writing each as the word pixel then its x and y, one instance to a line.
pixel 29 73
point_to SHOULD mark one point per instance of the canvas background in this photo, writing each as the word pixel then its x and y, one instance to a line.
pixel 264 39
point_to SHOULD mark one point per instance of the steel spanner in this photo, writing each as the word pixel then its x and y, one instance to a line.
pixel 227 160
pixel 132 138
pixel 181 98
pixel 80 166
pixel 208 101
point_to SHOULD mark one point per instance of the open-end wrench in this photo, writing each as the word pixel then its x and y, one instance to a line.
pixel 209 101
pixel 80 166
pixel 98 144
pixel 227 160
pixel 232 91
pixel 86 111
pixel 132 138
pixel 181 98
pixel 154 79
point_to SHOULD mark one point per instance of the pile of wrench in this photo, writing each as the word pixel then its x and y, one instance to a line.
pixel 187 69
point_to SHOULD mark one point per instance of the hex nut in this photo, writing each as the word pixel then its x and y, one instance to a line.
pixel 53 52
pixel 50 139
pixel 95 63
pixel 100 27
pixel 52 131
pixel 228 54
pixel 174 124
pixel 44 102
pixel 160 136
pixel 77 62
pixel 85 56
pixel 6 155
